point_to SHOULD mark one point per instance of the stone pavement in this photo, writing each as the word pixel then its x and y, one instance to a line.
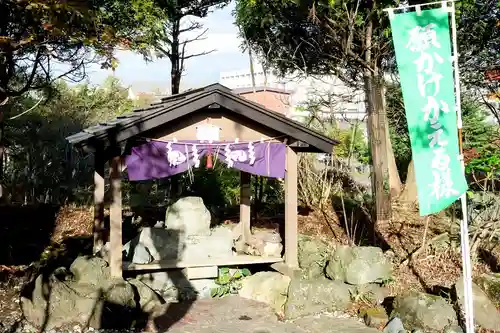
pixel 235 314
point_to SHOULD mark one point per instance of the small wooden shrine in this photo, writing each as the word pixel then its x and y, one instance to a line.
pixel 211 122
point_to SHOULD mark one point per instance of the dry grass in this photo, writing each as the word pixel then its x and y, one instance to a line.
pixel 323 225
pixel 73 221
pixel 436 266
pixel 405 232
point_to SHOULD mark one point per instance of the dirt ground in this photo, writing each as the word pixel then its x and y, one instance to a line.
pixel 10 313
pixel 235 314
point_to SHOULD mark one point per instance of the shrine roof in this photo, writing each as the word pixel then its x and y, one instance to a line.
pixel 261 89
pixel 171 108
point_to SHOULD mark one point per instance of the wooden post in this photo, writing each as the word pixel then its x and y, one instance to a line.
pixel 115 212
pixel 291 237
pixel 245 193
pixel 99 229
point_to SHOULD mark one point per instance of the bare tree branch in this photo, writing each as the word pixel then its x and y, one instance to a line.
pixel 197 54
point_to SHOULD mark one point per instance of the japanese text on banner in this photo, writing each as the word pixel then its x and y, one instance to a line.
pixel 423 55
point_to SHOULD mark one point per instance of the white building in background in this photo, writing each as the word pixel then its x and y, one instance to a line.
pixel 346 104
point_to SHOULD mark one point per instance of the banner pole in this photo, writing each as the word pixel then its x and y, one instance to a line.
pixel 464 225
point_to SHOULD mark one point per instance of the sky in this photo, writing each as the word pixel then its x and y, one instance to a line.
pixel 221 37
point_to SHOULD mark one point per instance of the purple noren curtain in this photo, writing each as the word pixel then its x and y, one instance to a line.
pixel 157 159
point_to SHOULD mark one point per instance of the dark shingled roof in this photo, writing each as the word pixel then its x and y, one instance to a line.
pixel 240 91
pixel 176 106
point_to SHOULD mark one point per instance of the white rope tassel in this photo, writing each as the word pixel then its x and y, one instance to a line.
pixel 169 153
pixel 229 161
pixel 251 153
pixel 196 156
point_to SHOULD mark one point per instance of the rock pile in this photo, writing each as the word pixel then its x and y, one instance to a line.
pixel 331 280
pixel 88 296
pixel 358 265
pixel 266 287
pixel 264 243
pixel 423 311
pixel 185 235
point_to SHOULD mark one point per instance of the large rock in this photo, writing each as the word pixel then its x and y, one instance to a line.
pixel 90 270
pixel 53 302
pixel 218 245
pixel 149 300
pixel 203 287
pixel 95 272
pixel 190 216
pixel 371 293
pixel 162 244
pixel 264 243
pixel 313 255
pixel 490 284
pixel 423 311
pixel 306 297
pixel 139 255
pixel 358 265
pixel 169 285
pixel 396 326
pixel 173 286
pixel 266 287
pixel 88 296
pixel 158 242
pixel 486 314
pixel 375 317
pixel 56 303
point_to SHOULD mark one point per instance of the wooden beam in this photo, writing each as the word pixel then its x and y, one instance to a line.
pixel 245 194
pixel 291 232
pixel 99 229
pixel 115 212
pixel 236 260
pixel 205 272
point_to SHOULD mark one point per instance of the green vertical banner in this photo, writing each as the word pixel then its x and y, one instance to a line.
pixel 423 54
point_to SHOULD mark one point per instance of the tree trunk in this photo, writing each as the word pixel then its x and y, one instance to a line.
pixel 409 194
pixel 175 59
pixel 175 83
pixel 3 106
pixel 379 149
pixel 394 180
pixel 252 73
pixel 376 128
